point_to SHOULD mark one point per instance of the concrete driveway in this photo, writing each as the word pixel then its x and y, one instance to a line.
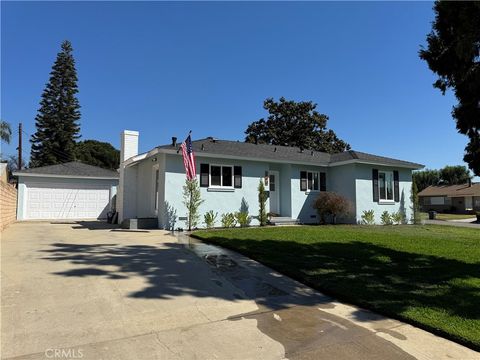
pixel 83 290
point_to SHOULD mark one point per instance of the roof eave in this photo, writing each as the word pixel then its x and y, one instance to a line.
pixel 233 157
pixel 15 173
pixel 378 163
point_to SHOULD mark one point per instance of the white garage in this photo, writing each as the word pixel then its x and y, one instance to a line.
pixel 65 191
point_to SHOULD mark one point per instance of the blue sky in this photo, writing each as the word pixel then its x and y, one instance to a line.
pixel 166 68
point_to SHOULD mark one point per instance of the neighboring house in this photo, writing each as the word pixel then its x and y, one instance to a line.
pixel 229 173
pixel 451 198
pixel 70 190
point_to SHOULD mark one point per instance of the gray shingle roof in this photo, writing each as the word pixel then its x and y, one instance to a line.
pixel 286 153
pixel 73 169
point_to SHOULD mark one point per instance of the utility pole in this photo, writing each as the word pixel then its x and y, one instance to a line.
pixel 19 146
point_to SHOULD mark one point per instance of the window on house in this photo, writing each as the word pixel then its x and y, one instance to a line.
pixel 221 176
pixel 438 200
pixel 312 181
pixel 385 185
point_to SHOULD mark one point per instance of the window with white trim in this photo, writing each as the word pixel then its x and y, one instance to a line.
pixel 385 185
pixel 313 180
pixel 221 176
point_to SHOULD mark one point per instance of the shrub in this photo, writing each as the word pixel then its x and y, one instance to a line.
pixel 209 219
pixel 386 218
pixel 331 204
pixel 368 217
pixel 243 218
pixel 192 201
pixel 262 201
pixel 228 220
pixel 397 217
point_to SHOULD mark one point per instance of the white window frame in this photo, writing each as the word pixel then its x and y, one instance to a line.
pixel 385 200
pixel 318 182
pixel 221 186
pixel 155 189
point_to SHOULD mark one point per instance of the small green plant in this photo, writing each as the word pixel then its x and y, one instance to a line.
pixel 209 219
pixel 228 220
pixel 386 218
pixel 243 218
pixel 397 218
pixel 262 201
pixel 192 201
pixel 368 217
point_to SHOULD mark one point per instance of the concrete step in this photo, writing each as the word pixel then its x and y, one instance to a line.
pixel 283 220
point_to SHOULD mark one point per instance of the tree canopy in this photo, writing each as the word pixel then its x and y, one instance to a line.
pixel 291 123
pixel 56 122
pixel 5 131
pixel 453 53
pixel 97 153
pixel 449 175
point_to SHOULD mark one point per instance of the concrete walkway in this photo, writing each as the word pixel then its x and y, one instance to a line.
pixel 458 223
pixel 85 291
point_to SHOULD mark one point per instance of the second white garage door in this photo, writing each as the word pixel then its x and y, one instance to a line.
pixel 66 201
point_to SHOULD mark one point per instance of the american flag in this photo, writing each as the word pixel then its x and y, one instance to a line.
pixel 189 158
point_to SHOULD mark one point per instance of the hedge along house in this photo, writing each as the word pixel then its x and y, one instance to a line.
pixel 151 184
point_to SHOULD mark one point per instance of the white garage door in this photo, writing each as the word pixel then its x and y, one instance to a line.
pixel 66 201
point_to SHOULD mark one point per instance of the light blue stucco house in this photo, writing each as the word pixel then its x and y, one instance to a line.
pixel 229 173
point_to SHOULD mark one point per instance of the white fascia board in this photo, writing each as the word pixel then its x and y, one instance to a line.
pixel 354 161
pixel 233 157
pixel 134 160
pixel 155 151
pixel 66 176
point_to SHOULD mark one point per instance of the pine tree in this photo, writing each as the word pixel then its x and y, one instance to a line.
pixel 57 121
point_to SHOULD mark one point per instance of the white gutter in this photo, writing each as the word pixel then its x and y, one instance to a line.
pixel 65 176
pixel 133 160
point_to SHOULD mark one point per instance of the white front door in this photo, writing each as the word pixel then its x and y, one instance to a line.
pixel 274 188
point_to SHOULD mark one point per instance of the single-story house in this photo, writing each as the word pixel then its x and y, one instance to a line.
pixel 229 173
pixel 71 190
pixel 462 198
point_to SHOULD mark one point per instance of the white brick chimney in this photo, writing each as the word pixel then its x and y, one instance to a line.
pixel 128 144
pixel 126 184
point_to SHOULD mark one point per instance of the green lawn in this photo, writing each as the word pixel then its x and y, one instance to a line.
pixel 425 275
pixel 441 216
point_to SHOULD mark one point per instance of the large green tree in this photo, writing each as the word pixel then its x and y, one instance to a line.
pixel 57 121
pixel 449 175
pixel 291 123
pixel 97 153
pixel 453 53
pixel 425 178
pixel 454 175
pixel 5 131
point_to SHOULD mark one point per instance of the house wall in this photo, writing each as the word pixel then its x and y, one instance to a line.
pixel 364 192
pixel 127 193
pixel 25 181
pixel 302 201
pixel 218 201
pixel 341 179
